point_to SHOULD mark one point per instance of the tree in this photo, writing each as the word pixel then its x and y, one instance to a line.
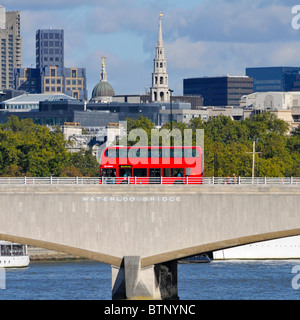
pixel 27 149
pixel 85 163
pixel 227 143
pixel 141 123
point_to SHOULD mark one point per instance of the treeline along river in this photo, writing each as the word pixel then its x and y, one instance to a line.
pixel 89 280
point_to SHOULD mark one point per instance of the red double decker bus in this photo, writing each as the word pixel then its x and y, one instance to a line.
pixel 146 165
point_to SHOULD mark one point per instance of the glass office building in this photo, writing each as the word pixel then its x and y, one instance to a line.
pixel 219 91
pixel 50 76
pixel 273 78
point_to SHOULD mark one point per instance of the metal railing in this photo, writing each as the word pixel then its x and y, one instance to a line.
pixel 150 180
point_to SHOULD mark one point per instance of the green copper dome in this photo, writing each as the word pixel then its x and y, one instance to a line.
pixel 103 89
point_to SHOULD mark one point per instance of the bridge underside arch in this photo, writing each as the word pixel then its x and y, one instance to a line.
pixel 77 252
pixel 156 259
pixel 220 245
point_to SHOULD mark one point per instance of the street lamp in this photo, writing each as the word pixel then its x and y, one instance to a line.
pixel 253 160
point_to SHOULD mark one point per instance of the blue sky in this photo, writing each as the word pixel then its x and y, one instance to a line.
pixel 201 37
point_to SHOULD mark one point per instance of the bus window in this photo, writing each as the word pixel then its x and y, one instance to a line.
pixel 154 153
pixel 166 172
pixel 125 171
pixel 154 173
pixel 196 153
pixel 177 172
pixel 111 173
pixel 112 153
pixel 140 172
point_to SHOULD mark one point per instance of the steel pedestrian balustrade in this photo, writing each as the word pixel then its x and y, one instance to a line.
pixel 151 180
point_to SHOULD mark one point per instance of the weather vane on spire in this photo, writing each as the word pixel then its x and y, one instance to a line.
pixel 103 62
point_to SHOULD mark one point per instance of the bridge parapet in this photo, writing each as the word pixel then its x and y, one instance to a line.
pixel 150 180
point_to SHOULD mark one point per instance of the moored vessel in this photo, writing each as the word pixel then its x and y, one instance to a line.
pixel 284 248
pixel 13 255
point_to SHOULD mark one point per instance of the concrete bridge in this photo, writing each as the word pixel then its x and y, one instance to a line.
pixel 143 230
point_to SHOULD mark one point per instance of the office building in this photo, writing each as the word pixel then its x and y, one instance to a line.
pixel 11 47
pixel 273 78
pixel 50 75
pixel 50 48
pixel 28 80
pixel 219 91
pixel 31 102
pixel 285 105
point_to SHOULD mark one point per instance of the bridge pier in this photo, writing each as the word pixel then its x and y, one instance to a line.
pixel 156 282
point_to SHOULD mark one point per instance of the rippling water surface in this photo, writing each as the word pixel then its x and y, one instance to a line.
pixel 88 280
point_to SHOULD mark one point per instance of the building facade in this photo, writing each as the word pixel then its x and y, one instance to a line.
pixel 285 105
pixel 11 47
pixel 219 91
pixel 273 78
pixel 31 102
pixel 50 48
pixel 50 75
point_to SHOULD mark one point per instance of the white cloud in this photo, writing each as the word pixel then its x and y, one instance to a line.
pixel 187 59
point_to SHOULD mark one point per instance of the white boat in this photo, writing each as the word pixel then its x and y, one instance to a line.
pixel 284 248
pixel 13 255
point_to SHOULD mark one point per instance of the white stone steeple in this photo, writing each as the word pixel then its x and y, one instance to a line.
pixel 160 88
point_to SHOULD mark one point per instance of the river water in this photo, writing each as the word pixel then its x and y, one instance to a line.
pixel 89 280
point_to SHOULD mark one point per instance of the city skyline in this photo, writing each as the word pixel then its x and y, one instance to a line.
pixel 201 38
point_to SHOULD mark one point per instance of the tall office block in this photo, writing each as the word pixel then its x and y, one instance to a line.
pixel 50 49
pixel 50 74
pixel 11 47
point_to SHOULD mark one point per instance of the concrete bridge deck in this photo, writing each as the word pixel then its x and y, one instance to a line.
pixel 156 223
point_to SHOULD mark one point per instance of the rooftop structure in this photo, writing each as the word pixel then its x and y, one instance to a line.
pixel 29 102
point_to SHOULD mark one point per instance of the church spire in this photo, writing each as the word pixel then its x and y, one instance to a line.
pixel 160 89
pixel 160 37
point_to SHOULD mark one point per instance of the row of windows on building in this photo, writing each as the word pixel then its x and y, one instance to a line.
pixel 22 107
pixel 68 82
pixel 50 35
pixel 51 51
pixel 60 89
pixel 71 81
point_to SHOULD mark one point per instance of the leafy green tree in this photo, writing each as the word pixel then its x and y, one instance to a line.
pixel 228 144
pixel 27 149
pixel 140 123
pixel 85 162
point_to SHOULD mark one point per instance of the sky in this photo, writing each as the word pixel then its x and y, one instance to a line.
pixel 201 37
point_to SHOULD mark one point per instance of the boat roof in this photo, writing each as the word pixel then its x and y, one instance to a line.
pixel 2 242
